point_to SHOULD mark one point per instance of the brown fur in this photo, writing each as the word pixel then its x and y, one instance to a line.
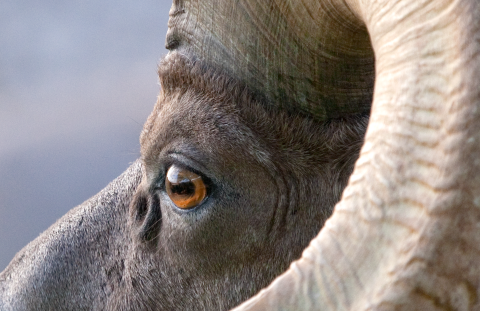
pixel 276 175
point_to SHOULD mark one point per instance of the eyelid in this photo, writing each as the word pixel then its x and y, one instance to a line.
pixel 185 156
pixel 159 184
pixel 185 161
pixel 189 155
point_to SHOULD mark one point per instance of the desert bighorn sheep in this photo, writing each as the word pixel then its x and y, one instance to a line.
pixel 262 113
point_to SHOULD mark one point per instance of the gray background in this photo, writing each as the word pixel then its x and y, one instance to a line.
pixel 77 82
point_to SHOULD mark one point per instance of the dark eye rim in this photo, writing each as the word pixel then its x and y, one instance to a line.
pixel 159 187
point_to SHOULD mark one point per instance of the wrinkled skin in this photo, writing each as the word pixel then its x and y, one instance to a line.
pixel 274 181
pixel 275 178
pixel 405 235
pixel 275 124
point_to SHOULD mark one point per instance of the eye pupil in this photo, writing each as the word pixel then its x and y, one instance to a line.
pixel 185 188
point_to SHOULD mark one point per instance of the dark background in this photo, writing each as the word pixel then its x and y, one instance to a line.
pixel 77 82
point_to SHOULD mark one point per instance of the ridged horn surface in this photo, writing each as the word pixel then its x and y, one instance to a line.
pixel 312 57
pixel 406 234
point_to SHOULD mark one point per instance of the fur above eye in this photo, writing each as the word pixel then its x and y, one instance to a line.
pixel 185 188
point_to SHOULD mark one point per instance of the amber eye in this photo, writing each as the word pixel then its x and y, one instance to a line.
pixel 185 188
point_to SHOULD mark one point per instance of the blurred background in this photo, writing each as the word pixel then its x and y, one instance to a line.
pixel 77 82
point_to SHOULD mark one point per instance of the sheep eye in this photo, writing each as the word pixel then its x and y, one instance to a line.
pixel 185 188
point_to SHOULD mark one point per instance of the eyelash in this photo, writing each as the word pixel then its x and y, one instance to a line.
pixel 160 183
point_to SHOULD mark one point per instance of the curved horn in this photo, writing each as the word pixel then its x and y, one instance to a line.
pixel 283 50
pixel 413 199
pixel 405 234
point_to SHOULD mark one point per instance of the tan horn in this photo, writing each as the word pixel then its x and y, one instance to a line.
pixel 406 234
pixel 292 53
